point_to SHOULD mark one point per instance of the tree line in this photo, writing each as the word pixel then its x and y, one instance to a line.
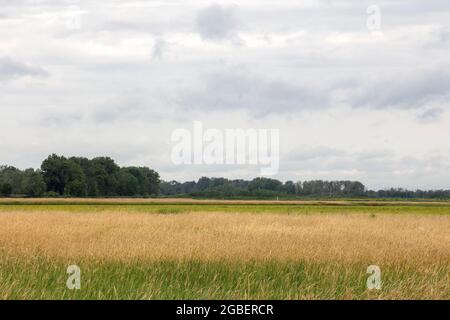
pixel 264 188
pixel 79 177
pixel 102 177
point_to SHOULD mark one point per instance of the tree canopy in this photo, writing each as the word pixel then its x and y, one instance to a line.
pixel 102 177
pixel 99 177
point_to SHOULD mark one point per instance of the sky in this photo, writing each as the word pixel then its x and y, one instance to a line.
pixel 356 94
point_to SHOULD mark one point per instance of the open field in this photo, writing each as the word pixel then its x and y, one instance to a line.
pixel 189 249
pixel 148 201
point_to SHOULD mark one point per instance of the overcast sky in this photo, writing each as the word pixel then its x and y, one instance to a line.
pixel 116 78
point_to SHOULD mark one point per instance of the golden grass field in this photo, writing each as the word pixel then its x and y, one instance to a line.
pixel 411 249
pixel 417 240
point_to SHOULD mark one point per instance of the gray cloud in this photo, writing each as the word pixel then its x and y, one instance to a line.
pixel 409 90
pixel 218 23
pixel 444 34
pixel 228 90
pixel 262 95
pixel 312 153
pixel 10 69
pixel 323 158
pixel 158 48
pixel 53 119
pixel 430 115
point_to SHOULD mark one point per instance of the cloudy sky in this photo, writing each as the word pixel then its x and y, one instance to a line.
pixel 118 77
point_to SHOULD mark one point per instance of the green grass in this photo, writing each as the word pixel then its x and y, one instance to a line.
pixel 255 209
pixel 40 279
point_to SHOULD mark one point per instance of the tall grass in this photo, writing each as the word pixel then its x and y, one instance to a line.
pixel 46 279
pixel 216 252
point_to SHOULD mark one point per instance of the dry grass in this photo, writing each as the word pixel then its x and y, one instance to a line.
pixel 127 254
pixel 384 239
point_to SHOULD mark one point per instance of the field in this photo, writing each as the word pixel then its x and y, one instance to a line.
pixel 189 249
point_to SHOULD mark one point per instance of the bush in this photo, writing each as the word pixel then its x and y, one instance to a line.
pixel 51 194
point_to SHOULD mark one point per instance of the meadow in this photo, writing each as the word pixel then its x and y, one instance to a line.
pixel 193 249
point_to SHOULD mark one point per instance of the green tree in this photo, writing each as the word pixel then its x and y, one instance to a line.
pixel 5 189
pixel 105 171
pixel 63 176
pixel 90 175
pixel 33 183
pixel 127 183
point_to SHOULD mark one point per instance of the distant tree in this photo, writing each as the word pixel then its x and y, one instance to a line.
pixel 105 171
pixel 14 181
pixel 265 184
pixel 5 189
pixel 64 176
pixel 355 188
pixel 11 178
pixel 203 183
pixel 101 176
pixel 170 188
pixel 33 183
pixel 127 184
pixel 90 177
pixel 289 187
pixel 55 172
